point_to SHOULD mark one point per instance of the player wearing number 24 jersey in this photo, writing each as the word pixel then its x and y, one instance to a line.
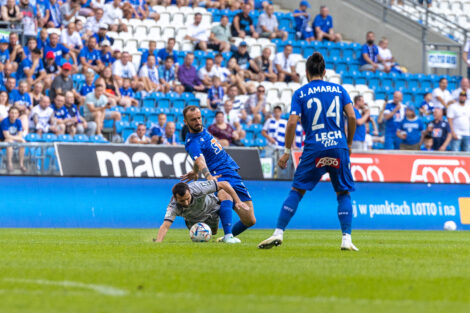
pixel 215 163
pixel 321 107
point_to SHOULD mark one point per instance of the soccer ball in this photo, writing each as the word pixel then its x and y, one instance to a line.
pixel 450 225
pixel 200 232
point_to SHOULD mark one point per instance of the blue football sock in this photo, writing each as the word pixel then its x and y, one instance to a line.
pixel 225 214
pixel 238 228
pixel 345 213
pixel 288 209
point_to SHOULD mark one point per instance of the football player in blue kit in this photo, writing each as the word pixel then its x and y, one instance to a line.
pixel 214 163
pixel 321 107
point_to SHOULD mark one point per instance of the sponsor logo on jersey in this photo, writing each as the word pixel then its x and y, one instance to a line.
pixel 327 161
pixel 328 138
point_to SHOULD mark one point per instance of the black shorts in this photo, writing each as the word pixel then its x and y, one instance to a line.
pixel 213 46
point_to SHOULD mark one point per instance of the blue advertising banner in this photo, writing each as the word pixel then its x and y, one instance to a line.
pixel 141 203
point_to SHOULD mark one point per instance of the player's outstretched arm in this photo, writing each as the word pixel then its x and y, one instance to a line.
pixel 289 140
pixel 163 230
pixel 349 110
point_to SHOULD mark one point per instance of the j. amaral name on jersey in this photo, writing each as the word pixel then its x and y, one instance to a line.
pixel 328 138
pixel 314 90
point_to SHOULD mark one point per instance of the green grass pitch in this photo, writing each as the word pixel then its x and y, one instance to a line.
pixel 121 270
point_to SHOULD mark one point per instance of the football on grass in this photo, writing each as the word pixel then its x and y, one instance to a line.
pixel 200 232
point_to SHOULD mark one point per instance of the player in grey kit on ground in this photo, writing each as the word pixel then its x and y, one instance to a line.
pixel 321 107
pixel 196 202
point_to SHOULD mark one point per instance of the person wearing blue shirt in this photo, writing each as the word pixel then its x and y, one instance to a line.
pixel 88 86
pixel 393 115
pixel 439 130
pixel 359 140
pixel 214 163
pixel 322 108
pixel 90 57
pixel 42 8
pixel 166 52
pixel 167 75
pixel 11 130
pixel 427 106
pixel 55 16
pixel 57 48
pixel 32 69
pixel 106 57
pixel 42 39
pixel 301 19
pixel 410 130
pixel 101 35
pixel 4 52
pixel 323 26
pixel 370 55
pixel 152 50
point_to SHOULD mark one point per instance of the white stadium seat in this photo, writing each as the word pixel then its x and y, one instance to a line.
pixel 254 50
pixel 140 32
pixel 154 33
pixel 165 20
pixel 177 19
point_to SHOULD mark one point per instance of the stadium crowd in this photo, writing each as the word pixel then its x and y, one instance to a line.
pixel 62 74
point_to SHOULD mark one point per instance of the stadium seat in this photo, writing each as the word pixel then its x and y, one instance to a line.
pixel 178 103
pixel 49 137
pixel 64 138
pixel 31 137
pixel 80 138
pixel 98 139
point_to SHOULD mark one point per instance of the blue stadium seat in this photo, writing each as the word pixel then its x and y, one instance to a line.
pixel 31 137
pixel 64 138
pixel 163 103
pixel 153 118
pixel 148 111
pixel 412 82
pixel 98 139
pixel 360 79
pixel 80 138
pixel 178 103
pixel 247 142
pixel 387 83
pixel 348 79
pixel 108 124
pixel 250 135
pixel 120 125
pixel 187 96
pixel 148 103
pixel 139 117
pixel 260 142
pixel 193 102
pixel 380 94
pixel 49 137
pixel 341 68
pixel 400 83
pixel 373 83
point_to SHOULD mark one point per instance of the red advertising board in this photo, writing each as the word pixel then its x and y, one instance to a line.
pixel 368 167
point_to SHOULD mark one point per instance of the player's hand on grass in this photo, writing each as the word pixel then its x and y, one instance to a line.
pixel 241 206
pixel 189 177
pixel 283 160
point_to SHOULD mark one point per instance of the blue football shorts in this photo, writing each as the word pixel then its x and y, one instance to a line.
pixel 237 184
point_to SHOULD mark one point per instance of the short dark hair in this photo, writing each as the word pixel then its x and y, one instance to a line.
pixel 141 124
pixel 277 107
pixel 171 39
pixel 315 64
pixel 442 78
pixel 13 108
pixel 36 51
pixel 219 112
pixel 189 108
pixel 179 189
pixel 169 58
pixel 357 98
pixel 198 14
pixel 428 136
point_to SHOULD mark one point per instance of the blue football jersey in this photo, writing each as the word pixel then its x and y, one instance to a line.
pixel 217 159
pixel 320 105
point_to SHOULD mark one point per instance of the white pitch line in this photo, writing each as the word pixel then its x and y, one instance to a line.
pixel 102 289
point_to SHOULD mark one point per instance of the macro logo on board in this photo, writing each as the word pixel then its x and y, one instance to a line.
pixel 141 164
pixel 439 171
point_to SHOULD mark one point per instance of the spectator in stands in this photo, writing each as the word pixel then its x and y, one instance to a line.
pixel 323 26
pixel 245 65
pixel 139 136
pixel 167 76
pixel 410 130
pixel 266 66
pixel 33 69
pixel 69 11
pixel 222 131
pixel 370 60
pixel 206 72
pixel 10 87
pixel 426 108
pixel 55 18
pixel 43 12
pixel 4 53
pixel 441 96
pixel 232 95
pixel 232 117
pixel 101 35
pixel 301 18
pixel 94 22
pixel 51 67
pixel 11 12
pixel 242 24
pixel 37 93
pixel 427 143
pixel 106 55
pixel 221 71
pixel 157 130
pixel 464 86
pixel 16 50
pixel 43 118
pixel 169 137
pixel 29 20
pixel 149 75
pixel 274 130
pixel 187 75
pixel 22 101
pixel 428 2
pixel 255 106
pixel 12 131
pixel 55 47
pixel 4 105
pixel 80 125
pixel 127 94
pixel 152 50
pixel 111 90
pixel 164 52
pixel 113 16
pixel 386 57
pixel 63 82
pixel 466 56
pixel 71 39
pixel 393 114
pixel 284 63
pixel 63 120
pixel 31 44
pixel 458 115
pixel 221 36
pixel 362 117
pixel 215 94
pixel 87 87
pixel 268 26
pixel 198 33
pixel 97 108
pixel 440 131
pixel 124 68
pixel 90 57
